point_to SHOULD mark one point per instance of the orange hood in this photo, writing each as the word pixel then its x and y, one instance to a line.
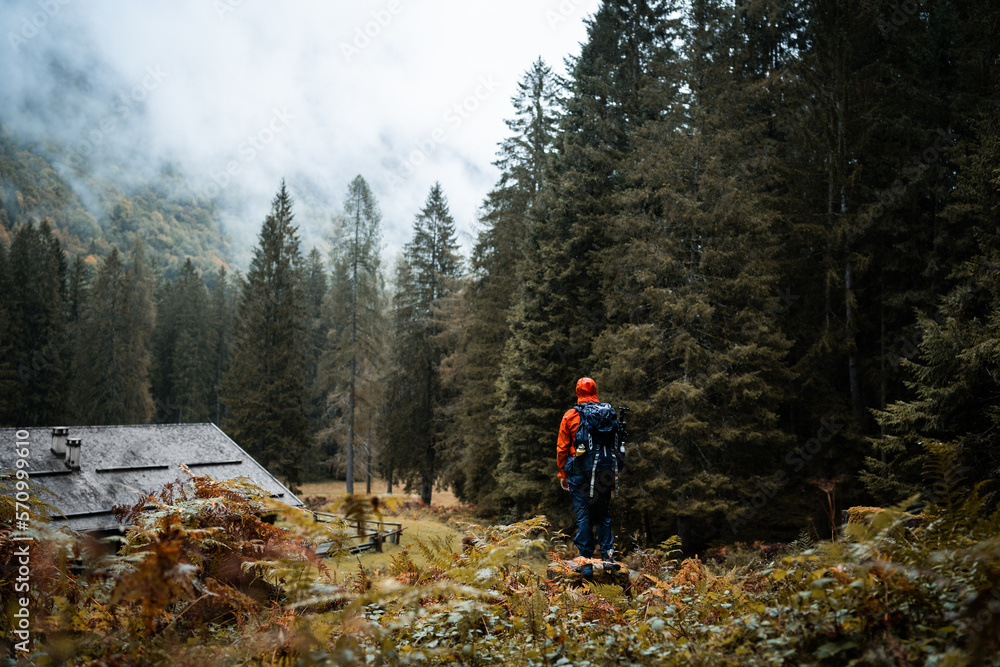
pixel 586 391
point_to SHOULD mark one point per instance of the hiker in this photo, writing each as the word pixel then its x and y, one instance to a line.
pixel 588 456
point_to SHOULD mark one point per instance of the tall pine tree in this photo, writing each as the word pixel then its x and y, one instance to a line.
pixel 425 278
pixel 113 356
pixel 8 369
pixel 356 310
pixel 954 390
pixel 560 306
pixel 222 320
pixel 36 298
pixel 524 163
pixel 187 368
pixel 316 287
pixel 692 293
pixel 264 390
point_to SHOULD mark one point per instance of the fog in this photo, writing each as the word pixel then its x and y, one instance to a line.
pixel 238 94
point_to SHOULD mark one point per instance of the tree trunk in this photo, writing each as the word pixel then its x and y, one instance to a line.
pixel 852 346
pixel 368 473
pixel 426 488
pixel 354 353
pixel 350 434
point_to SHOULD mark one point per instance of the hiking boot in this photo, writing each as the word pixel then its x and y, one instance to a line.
pixel 587 572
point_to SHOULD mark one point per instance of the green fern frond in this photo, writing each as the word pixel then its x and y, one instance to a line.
pixel 437 554
pixel 670 547
pixel 610 592
pixel 944 476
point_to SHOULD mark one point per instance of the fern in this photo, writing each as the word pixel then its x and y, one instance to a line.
pixel 437 554
pixel 807 539
pixel 671 547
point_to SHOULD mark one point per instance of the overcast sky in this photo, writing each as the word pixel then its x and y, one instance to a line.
pixel 403 92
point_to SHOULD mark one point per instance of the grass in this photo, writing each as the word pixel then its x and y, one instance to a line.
pixel 337 488
pixel 418 524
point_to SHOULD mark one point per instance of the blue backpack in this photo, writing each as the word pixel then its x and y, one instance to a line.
pixel 598 444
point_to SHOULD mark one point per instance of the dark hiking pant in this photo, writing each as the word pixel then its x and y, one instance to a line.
pixel 593 513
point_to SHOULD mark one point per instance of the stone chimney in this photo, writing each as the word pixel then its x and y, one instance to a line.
pixel 73 453
pixel 59 434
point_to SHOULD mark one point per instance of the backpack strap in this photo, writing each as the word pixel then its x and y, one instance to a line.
pixel 579 412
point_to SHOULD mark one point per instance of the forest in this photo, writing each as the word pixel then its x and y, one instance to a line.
pixel 769 228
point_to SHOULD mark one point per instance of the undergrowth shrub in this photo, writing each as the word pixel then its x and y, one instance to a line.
pixel 221 587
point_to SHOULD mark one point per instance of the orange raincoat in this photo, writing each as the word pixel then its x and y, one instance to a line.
pixel 586 392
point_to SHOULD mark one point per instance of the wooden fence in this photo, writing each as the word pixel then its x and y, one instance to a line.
pixel 368 534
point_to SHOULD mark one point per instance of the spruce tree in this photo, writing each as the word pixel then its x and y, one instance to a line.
pixel 560 309
pixel 692 295
pixel 870 114
pixel 164 345
pixel 316 287
pixel 8 370
pixel 114 340
pixel 952 381
pixel 222 319
pixel 523 159
pixel 81 277
pixel 183 378
pixel 425 278
pixel 36 299
pixel 264 389
pixel 192 371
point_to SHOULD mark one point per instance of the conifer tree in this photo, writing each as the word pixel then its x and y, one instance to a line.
pixel 113 355
pixel 8 371
pixel 81 277
pixel 426 276
pixel 79 280
pixel 36 302
pixel 560 309
pixel 692 290
pixel 524 163
pixel 164 345
pixel 869 116
pixel 183 377
pixel 954 396
pixel 192 371
pixel 264 389
pixel 222 319
pixel 316 287
pixel 355 308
